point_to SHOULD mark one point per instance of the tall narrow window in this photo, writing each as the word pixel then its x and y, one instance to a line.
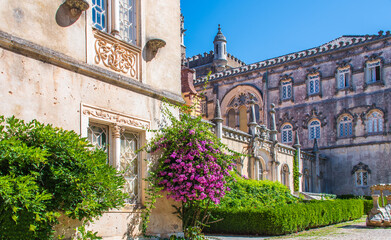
pixel 260 171
pixel 314 129
pixel 231 121
pixel 257 115
pixel 99 14
pixel 98 135
pixel 285 175
pixel 361 178
pixel 313 84
pixel 286 133
pixel 343 76
pixel 286 90
pixel 129 164
pixel 127 16
pixel 374 122
pixel 243 119
pixel 306 180
pixel 373 71
pixel 345 127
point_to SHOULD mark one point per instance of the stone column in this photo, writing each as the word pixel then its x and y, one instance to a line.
pixel 299 164
pixel 317 166
pixel 218 120
pixel 253 122
pixel 117 147
pixel 115 21
pixel 273 127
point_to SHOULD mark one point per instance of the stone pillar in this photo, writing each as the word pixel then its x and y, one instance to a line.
pixel 115 22
pixel 317 166
pixel 218 120
pixel 273 127
pixel 299 164
pixel 117 147
pixel 253 122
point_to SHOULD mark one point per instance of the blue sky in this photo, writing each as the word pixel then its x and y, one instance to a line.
pixel 261 29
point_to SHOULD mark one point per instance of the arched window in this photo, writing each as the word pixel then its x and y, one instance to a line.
pixel 314 129
pixel 286 133
pixel 306 180
pixel 243 119
pixel 231 122
pixel 285 175
pixel 260 171
pixel 374 122
pixel 345 126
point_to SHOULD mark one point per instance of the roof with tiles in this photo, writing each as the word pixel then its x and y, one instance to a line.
pixel 334 45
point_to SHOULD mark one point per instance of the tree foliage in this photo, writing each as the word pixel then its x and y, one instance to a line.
pixel 46 172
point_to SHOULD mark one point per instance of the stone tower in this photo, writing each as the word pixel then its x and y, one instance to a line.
pixel 220 54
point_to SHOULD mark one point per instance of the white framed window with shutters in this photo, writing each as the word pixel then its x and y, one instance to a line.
pixel 373 71
pixel 343 77
pixel 314 129
pixel 286 90
pixel 286 133
pixel 313 84
pixel 116 17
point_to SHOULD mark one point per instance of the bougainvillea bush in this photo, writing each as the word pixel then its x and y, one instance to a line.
pixel 192 167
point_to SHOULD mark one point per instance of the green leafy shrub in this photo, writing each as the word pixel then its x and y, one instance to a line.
pixel 296 174
pixel 46 172
pixel 257 194
pixel 368 205
pixel 285 219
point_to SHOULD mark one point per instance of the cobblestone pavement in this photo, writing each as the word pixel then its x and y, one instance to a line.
pixel 354 230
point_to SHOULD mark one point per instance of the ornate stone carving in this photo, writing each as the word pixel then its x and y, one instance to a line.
pixel 314 114
pixel 117 55
pixel 118 118
pixel 360 166
pixel 287 119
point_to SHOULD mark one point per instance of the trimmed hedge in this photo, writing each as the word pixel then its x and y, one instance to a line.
pixel 368 205
pixel 285 219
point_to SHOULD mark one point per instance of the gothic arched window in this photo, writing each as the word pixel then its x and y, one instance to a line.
pixel 345 126
pixel 286 133
pixel 231 121
pixel 374 122
pixel 243 118
pixel 314 129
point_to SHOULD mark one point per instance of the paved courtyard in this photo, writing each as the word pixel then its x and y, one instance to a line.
pixel 353 230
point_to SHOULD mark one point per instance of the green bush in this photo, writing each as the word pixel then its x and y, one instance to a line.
pixel 284 219
pixel 248 192
pixel 46 172
pixel 368 205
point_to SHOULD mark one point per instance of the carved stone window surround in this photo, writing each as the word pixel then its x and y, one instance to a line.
pixel 311 76
pixel 287 80
pixel 348 70
pixel 374 60
pixel 364 119
pixel 354 117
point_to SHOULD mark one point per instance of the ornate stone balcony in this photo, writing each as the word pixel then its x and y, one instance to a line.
pixel 117 55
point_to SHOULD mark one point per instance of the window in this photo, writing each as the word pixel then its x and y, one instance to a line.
pixel 243 119
pixel 286 133
pixel 361 178
pixel 257 115
pixel 123 10
pixel 285 175
pixel 127 161
pixel 373 71
pixel 345 127
pixel 314 129
pixel 313 84
pixel 375 122
pixel 343 76
pixel 231 118
pixel 286 90
pixel 260 170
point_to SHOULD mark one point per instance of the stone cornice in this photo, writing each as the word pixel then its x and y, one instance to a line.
pixel 348 43
pixel 38 52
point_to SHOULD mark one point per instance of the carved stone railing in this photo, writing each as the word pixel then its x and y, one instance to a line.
pixel 117 55
pixel 237 135
pixel 380 215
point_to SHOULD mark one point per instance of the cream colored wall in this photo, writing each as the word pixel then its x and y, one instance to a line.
pixel 285 158
pixel 34 20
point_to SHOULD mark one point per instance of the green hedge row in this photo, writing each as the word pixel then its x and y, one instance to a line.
pixel 368 205
pixel 285 219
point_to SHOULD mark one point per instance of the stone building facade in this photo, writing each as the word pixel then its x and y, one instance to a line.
pixel 335 97
pixel 100 68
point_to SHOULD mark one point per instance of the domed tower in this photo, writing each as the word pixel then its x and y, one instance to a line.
pixel 220 53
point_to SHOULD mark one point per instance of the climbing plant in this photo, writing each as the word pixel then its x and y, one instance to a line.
pixel 296 173
pixel 192 168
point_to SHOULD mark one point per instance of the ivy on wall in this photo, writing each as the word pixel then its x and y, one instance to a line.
pixel 296 173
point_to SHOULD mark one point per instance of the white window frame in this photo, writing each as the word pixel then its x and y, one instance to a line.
pixel 286 90
pixel 343 77
pixel 121 18
pixel 372 74
pixel 287 133
pixel 375 122
pixel 314 84
pixel 345 126
pixel 314 128
pixel 360 176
